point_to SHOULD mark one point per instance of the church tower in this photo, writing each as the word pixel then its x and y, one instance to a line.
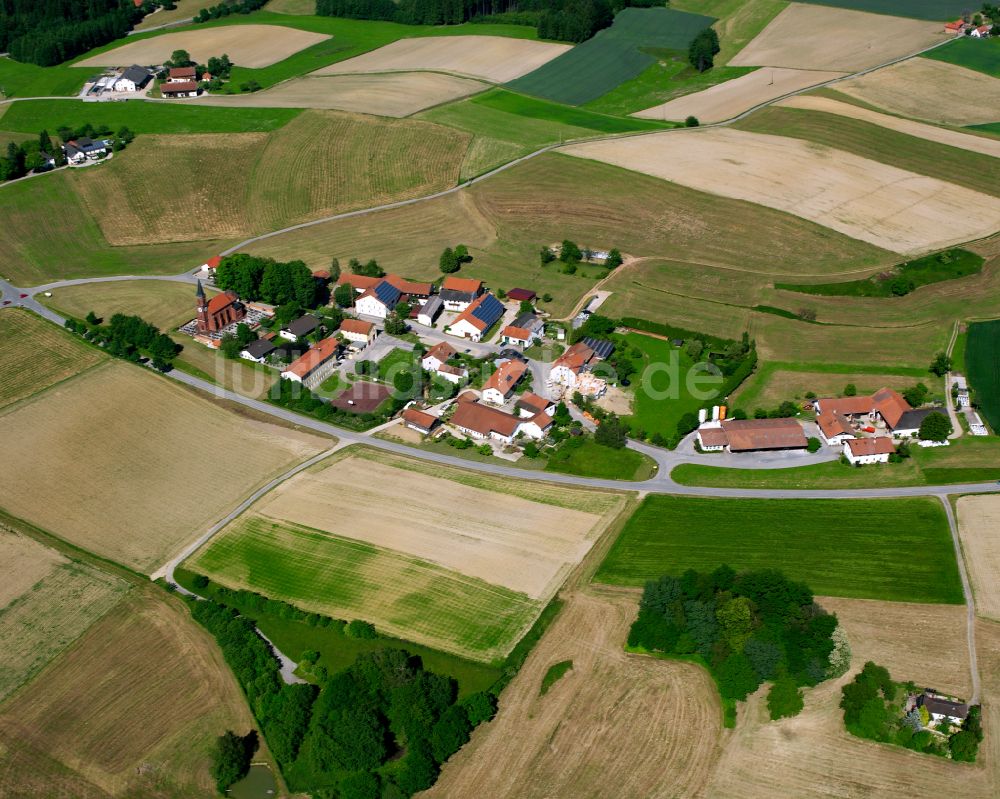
pixel 201 304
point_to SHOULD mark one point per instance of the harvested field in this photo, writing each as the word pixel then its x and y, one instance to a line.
pixel 35 354
pixel 185 10
pixel 616 725
pixel 163 303
pixel 47 603
pixel 320 163
pixel 132 709
pixel 251 46
pixel 733 97
pixel 525 546
pixel 935 10
pixel 768 388
pixel 817 37
pixel 952 138
pixel 492 58
pixel 928 89
pixel 398 94
pixel 883 205
pixel 979 528
pixel 144 465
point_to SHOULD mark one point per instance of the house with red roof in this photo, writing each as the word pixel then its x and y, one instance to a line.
pixel 868 450
pixel 358 332
pixel 502 382
pixel 315 364
pixel 458 293
pixel 474 322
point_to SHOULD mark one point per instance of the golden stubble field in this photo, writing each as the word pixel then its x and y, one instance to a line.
pixel 143 465
pixel 889 207
pixel 524 545
pixel 494 58
pixel 46 603
pixel 622 725
pixel 131 709
pixel 818 37
pixel 247 45
pixel 927 89
pixel 979 528
pixel 396 94
pixel 726 100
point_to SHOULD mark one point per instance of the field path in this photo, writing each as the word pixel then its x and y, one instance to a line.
pixel 970 600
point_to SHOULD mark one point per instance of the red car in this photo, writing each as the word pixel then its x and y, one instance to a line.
pixel 23 296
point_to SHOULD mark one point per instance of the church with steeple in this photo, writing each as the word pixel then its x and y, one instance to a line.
pixel 217 313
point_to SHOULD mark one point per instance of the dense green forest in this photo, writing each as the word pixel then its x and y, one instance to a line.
pixel 746 628
pixel 566 20
pixel 47 32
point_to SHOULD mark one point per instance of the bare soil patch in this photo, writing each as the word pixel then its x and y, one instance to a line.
pixel 133 708
pixel 952 138
pixel 820 37
pixel 979 528
pixel 616 725
pixel 247 45
pixel 726 100
pixel 927 89
pixel 493 58
pixel 505 540
pixel 391 95
pixel 883 205
pixel 23 563
pixel 130 466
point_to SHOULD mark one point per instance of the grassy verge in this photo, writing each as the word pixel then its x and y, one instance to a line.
pixel 589 459
pixel 892 549
pixel 948 265
pixel 555 672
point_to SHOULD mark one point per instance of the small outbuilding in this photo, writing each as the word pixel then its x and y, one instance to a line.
pixel 258 351
pixel 868 450
pixel 430 311
pixel 421 421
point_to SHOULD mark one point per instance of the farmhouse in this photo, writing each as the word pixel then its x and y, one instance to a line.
pixel 315 364
pixel 378 301
pixel 956 28
pixel 941 709
pixel 79 150
pixel 300 328
pixel 436 360
pixel 421 421
pixel 358 332
pixel 181 75
pixel 209 267
pixel 530 404
pixel 572 371
pixel 481 421
pixel 363 283
pixel 752 435
pixel 430 311
pixel 868 450
pixel 884 405
pixel 484 312
pixel 834 428
pixel 258 351
pixel 458 293
pixel 133 79
pixel 219 312
pixel 502 382
pixel 181 89
pixel 537 426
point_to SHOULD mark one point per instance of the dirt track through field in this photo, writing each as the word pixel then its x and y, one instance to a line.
pixel 952 138
pixel 726 100
pixel 979 528
pixel 397 94
pixel 493 58
pixel 614 726
pixel 883 205
pixel 927 89
pixel 247 45
pixel 820 37
pixel 505 540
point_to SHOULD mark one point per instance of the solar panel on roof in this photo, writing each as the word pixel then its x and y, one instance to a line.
pixel 489 310
pixel 602 349
pixel 387 293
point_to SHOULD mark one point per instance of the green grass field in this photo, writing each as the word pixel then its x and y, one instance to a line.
pixel 978 54
pixel 974 171
pixel 395 362
pixel 588 459
pixel 892 549
pixel 739 21
pixel 982 362
pixel 613 56
pixel 31 116
pixel 651 411
pixel 917 9
pixel 992 128
pixel 401 595
pixel 949 265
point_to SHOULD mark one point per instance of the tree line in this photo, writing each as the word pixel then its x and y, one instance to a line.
pixel 129 338
pixel 221 10
pixel 267 280
pixel 746 628
pixel 47 32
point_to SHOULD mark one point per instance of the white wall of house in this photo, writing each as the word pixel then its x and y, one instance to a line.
pixel 835 441
pixel 247 356
pixel 864 459
pixel 464 329
pixel 456 305
pixel 563 375
pixel 124 85
pixel 371 306
pixel 532 430
pixel 358 338
pixel 452 378
pixel 494 396
pixel 431 363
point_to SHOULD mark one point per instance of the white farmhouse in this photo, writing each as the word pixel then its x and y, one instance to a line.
pixel 132 79
pixel 868 450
